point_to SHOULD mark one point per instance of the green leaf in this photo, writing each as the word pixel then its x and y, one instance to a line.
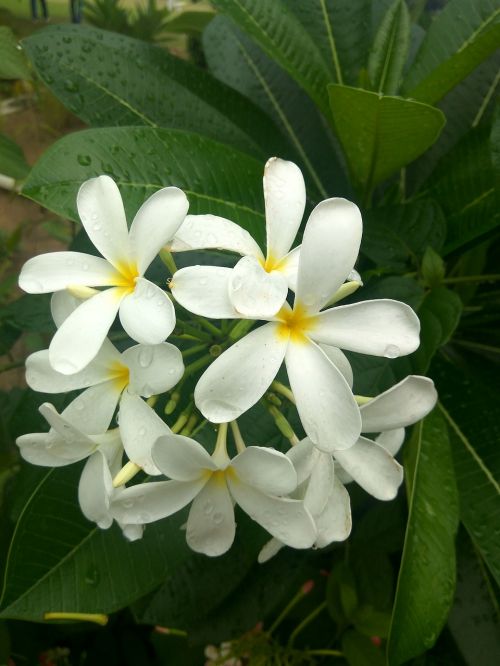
pixel 426 580
pixel 462 36
pixel 84 68
pixel 470 407
pixel 381 134
pixel 360 651
pixel 190 20
pixel 12 160
pixel 466 186
pixel 495 142
pixel 237 61
pixel 341 31
pixel 433 268
pixel 341 593
pixel 395 237
pixel 12 61
pixel 474 621
pixel 390 49
pixel 215 178
pixel 280 34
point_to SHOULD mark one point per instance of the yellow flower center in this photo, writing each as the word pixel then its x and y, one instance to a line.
pixel 127 274
pixel 295 323
pixel 272 263
pixel 120 374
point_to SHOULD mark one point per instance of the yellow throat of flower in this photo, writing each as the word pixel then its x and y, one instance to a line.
pixel 295 323
pixel 127 274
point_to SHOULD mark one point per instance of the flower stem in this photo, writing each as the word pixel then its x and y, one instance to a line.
pixel 290 606
pixel 182 419
pixel 197 365
pixel 168 260
pixel 195 332
pixel 326 653
pixel 82 617
pixel 193 350
pixel 208 326
pixel 307 620
pixel 284 390
pixel 471 278
pixel 282 424
pixel 240 329
pixel 238 439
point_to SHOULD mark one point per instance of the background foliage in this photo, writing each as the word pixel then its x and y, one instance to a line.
pixel 391 104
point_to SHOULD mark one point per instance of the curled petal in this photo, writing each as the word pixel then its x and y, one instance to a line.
pixel 153 368
pixel 199 232
pixel 57 270
pixel 373 468
pixel 329 249
pixel 82 334
pixel 254 292
pixel 155 223
pixel 204 290
pixel 268 470
pixel 182 458
pixel 391 440
pixel 326 405
pixel 381 328
pixel 238 378
pixel 285 200
pixel 95 489
pixel 51 450
pixel 269 550
pixel 304 456
pixel 320 485
pixel 289 267
pixel 335 522
pixel 211 526
pixel 147 314
pixel 400 406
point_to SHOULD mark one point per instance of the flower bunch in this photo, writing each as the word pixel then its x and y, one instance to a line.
pixel 276 308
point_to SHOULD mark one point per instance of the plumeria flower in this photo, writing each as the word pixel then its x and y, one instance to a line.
pixel 258 285
pixel 323 495
pixel 255 479
pixel 240 376
pixel 140 370
pixel 371 463
pixel 145 310
pixel 65 444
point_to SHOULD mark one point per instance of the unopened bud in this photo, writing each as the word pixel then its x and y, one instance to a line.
pixel 344 291
pixel 307 586
pixel 126 473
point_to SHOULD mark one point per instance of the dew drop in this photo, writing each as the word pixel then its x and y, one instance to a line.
pixel 84 160
pixel 392 351
pixel 218 518
pixel 146 356
pixel 208 507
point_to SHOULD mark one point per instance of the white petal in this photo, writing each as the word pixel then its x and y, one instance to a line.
pixel 100 207
pixel 381 328
pixel 131 532
pixel 181 458
pixel 210 526
pixel 62 304
pixel 341 474
pixel 155 223
pixel 51 450
pixel 41 376
pixel 269 550
pixel 241 375
pixel 148 502
pixel 70 432
pixel 92 411
pixel 199 232
pixel 339 359
pixel 140 427
pixel 95 489
pixel 335 522
pixel 285 199
pixel 391 440
pixel 82 334
pixel 266 469
pixel 330 247
pixel 320 484
pixel 204 290
pixel 289 267
pixel 285 519
pixel 373 468
pixel 303 456
pixel 326 405
pixel 153 368
pixel 147 314
pixel 57 270
pixel 400 406
pixel 254 292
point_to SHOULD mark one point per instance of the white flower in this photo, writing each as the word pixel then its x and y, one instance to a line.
pixel 65 444
pixel 240 376
pixel 145 311
pixel 257 286
pixel 141 370
pixel 255 479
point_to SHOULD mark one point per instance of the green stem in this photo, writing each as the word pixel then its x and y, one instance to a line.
pixel 193 350
pixel 191 330
pixel 197 365
pixel 211 328
pixel 295 600
pixel 331 653
pixel 307 620
pixel 240 329
pixel 168 260
pixel 471 278
pixel 283 390
pixel 477 345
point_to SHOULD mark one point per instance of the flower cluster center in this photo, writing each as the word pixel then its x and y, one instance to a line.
pixel 295 323
pixel 128 273
pixel 120 374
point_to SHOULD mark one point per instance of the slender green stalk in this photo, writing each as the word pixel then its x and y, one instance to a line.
pixel 326 653
pixel 193 350
pixel 471 278
pixel 168 260
pixel 211 328
pixel 307 620
pixel 283 390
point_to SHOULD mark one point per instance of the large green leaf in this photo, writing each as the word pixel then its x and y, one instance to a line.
pixel 390 49
pixel 474 621
pixel 12 61
pixel 396 237
pixel 426 582
pixel 12 160
pixel 470 406
pixel 239 62
pixel 111 79
pixel 381 134
pixel 282 36
pixel 215 178
pixel 462 36
pixel 341 31
pixel 466 185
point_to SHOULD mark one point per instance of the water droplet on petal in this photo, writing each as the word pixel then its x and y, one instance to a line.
pixel 146 356
pixel 392 351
